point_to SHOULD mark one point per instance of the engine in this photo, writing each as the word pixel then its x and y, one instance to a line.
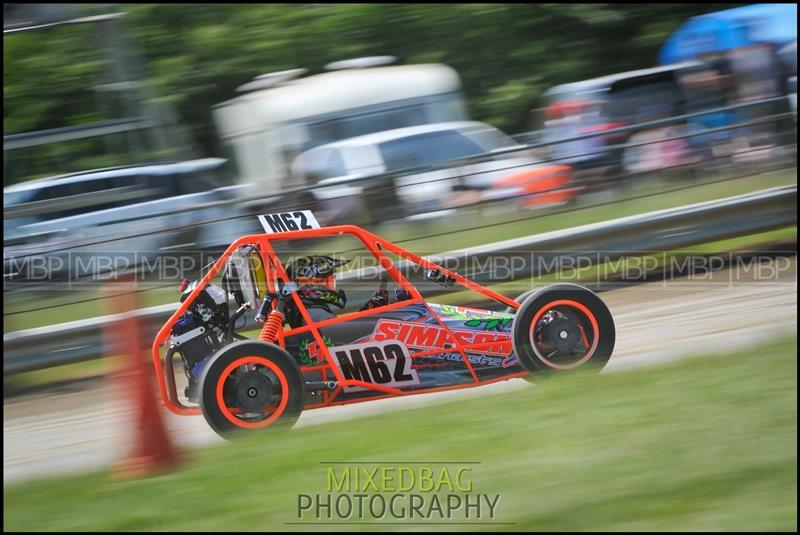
pixel 200 332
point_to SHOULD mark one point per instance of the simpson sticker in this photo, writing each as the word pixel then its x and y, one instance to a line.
pixel 381 363
pixel 427 336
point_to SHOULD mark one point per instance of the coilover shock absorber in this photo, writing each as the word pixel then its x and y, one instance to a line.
pixel 272 325
pixel 273 321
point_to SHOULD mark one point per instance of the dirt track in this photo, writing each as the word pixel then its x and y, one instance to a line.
pixel 78 431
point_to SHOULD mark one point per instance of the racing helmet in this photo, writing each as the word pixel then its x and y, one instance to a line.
pixel 316 279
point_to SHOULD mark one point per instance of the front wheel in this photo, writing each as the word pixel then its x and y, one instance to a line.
pixel 250 385
pixel 561 328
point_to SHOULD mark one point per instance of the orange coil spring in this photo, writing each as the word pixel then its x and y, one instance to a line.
pixel 273 325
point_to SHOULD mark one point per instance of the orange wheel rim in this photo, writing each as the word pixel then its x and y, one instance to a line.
pixel 586 312
pixel 284 400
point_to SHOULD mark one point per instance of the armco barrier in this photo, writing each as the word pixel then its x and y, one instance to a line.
pixel 672 228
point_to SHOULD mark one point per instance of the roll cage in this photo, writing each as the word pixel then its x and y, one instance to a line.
pixel 274 271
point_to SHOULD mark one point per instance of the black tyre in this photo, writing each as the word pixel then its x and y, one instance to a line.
pixel 520 299
pixel 250 385
pixel 563 327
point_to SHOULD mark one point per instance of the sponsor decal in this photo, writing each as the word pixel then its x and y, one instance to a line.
pixel 381 363
pixel 509 361
pixel 311 352
pixel 427 336
pixel 473 358
pixel 487 320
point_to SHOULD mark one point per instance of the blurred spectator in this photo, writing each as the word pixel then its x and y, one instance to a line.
pixel 568 119
pixel 571 119
pixel 653 149
pixel 757 70
pixel 758 75
pixel 709 86
pixel 606 104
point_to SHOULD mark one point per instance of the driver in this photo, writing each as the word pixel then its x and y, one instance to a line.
pixel 316 280
pixel 316 286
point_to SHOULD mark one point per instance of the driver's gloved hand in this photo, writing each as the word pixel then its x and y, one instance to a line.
pixel 401 295
pixel 378 299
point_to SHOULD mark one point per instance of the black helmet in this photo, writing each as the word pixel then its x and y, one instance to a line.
pixel 316 280
pixel 315 269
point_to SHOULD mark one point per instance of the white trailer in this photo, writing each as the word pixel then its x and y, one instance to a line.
pixel 283 114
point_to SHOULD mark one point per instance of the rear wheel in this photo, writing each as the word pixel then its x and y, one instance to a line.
pixel 563 327
pixel 251 385
pixel 520 299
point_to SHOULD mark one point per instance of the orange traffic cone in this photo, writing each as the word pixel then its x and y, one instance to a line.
pixel 152 450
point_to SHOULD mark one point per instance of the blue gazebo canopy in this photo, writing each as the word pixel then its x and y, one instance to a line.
pixel 731 28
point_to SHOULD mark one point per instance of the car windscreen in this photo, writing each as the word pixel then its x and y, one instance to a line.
pixel 348 123
pixel 637 101
pixel 13 221
pixel 429 149
pixel 490 138
pixel 10 198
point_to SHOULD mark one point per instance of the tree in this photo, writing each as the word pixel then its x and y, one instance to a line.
pixel 197 54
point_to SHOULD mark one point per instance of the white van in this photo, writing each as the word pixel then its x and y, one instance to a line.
pixel 447 155
pixel 283 114
pixel 125 214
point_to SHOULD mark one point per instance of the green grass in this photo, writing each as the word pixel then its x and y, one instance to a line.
pixel 786 237
pixel 80 370
pixel 493 225
pixel 702 444
pixel 95 307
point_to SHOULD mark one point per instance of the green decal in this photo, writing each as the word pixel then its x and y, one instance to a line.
pixel 305 358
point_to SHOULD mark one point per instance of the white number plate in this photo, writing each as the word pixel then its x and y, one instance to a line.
pixel 288 221
pixel 381 363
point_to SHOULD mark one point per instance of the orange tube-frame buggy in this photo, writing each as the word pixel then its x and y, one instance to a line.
pixel 595 327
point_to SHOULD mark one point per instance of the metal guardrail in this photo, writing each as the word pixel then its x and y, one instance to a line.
pixel 291 191
pixel 684 226
pixel 71 133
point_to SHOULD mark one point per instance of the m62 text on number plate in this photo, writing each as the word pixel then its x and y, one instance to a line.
pixel 381 363
pixel 288 221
